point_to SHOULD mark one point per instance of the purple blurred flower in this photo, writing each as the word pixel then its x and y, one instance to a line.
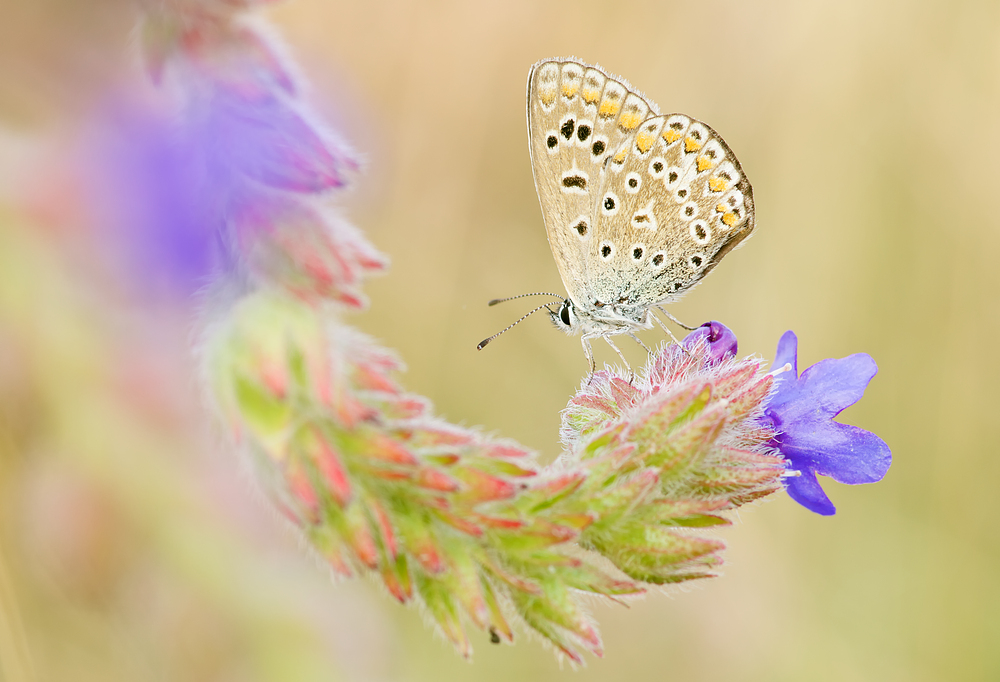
pixel 174 184
pixel 802 409
pixel 164 209
pixel 720 339
pixel 246 136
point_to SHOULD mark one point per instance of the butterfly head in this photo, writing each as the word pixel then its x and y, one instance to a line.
pixel 598 319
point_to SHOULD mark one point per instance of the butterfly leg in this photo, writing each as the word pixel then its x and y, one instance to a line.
pixel 639 341
pixel 631 374
pixel 667 329
pixel 589 352
pixel 674 319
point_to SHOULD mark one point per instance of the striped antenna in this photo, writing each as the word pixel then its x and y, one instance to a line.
pixel 538 293
pixel 483 343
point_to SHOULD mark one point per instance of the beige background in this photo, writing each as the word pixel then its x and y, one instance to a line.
pixel 870 131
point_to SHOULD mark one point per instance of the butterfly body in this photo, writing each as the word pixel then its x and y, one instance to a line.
pixel 638 207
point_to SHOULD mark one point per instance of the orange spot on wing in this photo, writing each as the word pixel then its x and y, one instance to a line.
pixel 670 135
pixel 644 142
pixel 729 219
pixel 691 145
pixel 609 108
pixel 629 120
pixel 704 163
pixel 570 89
pixel 717 185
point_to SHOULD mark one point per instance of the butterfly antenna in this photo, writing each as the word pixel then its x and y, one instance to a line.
pixel 538 293
pixel 482 344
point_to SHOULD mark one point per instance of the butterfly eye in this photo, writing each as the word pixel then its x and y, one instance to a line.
pixel 632 183
pixel 583 131
pixel 607 250
pixel 637 251
pixel 696 261
pixel 658 260
pixel 564 315
pixel 656 167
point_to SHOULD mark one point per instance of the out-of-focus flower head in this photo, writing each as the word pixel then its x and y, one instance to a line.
pixel 161 207
pixel 181 175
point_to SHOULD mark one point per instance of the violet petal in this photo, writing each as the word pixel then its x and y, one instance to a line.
pixel 805 490
pixel 787 354
pixel 824 390
pixel 843 452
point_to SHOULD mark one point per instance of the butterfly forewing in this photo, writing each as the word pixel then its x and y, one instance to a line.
pixel 673 202
pixel 578 117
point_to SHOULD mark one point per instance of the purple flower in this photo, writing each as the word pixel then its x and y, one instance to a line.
pixel 720 339
pixel 160 205
pixel 172 183
pixel 802 409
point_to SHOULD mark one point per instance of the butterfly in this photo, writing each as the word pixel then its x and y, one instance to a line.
pixel 638 206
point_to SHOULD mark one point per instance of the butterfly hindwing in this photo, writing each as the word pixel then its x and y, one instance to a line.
pixel 673 202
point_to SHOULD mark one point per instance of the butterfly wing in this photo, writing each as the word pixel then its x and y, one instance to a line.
pixel 673 201
pixel 577 117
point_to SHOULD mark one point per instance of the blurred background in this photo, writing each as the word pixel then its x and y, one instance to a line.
pixel 132 546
